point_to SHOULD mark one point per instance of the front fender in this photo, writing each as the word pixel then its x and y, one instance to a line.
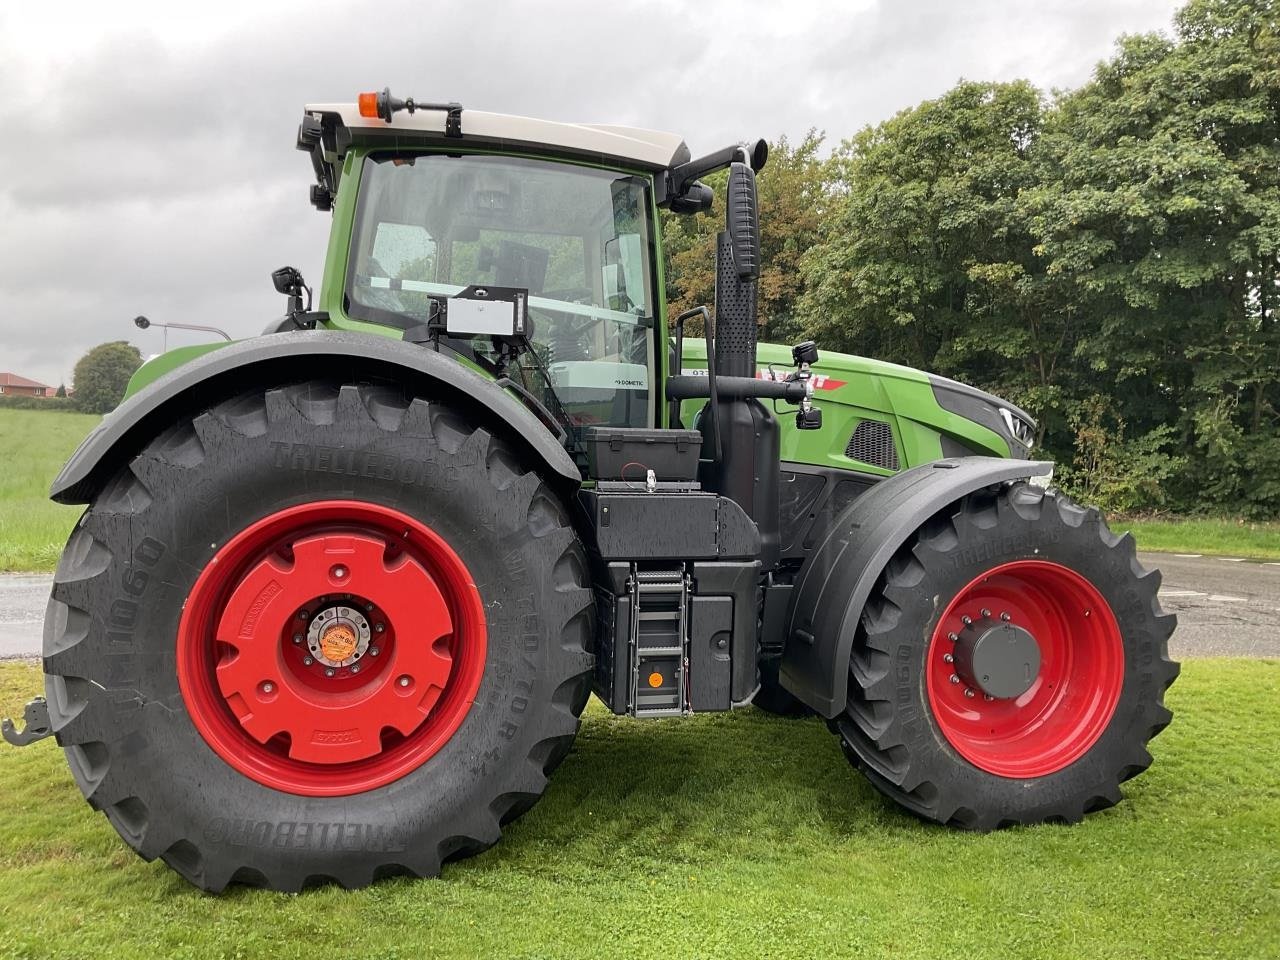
pixel 838 577
pixel 285 357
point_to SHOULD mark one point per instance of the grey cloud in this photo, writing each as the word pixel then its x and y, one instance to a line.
pixel 156 174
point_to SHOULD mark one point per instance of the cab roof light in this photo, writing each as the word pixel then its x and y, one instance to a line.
pixel 383 106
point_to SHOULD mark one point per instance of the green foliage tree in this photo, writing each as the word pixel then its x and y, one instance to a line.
pixel 927 258
pixel 1164 222
pixel 793 195
pixel 1108 258
pixel 62 390
pixel 101 375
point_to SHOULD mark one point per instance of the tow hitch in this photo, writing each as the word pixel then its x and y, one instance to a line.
pixel 38 726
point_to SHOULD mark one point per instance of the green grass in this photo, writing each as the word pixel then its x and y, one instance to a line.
pixel 35 445
pixel 1225 538
pixel 720 836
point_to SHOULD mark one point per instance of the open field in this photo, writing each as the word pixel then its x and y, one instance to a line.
pixel 723 835
pixel 35 444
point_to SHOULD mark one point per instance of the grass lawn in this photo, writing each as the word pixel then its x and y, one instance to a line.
pixel 716 836
pixel 1225 538
pixel 35 444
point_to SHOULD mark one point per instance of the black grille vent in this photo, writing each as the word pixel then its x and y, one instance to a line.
pixel 735 316
pixel 872 442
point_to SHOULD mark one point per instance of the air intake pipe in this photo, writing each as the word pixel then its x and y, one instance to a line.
pixel 747 469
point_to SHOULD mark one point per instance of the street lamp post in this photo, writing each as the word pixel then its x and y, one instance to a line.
pixel 142 323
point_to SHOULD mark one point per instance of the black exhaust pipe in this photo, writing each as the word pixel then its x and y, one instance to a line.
pixel 747 469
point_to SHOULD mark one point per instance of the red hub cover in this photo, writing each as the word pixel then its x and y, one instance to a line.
pixel 1068 699
pixel 331 648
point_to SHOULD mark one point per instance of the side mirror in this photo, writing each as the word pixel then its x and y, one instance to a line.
pixel 695 198
pixel 743 222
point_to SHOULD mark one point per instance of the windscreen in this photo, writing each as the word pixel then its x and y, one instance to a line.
pixel 578 239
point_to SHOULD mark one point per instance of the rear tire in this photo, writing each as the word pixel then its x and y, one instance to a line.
pixel 924 731
pixel 180 770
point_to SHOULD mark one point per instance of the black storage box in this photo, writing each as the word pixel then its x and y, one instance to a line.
pixel 627 453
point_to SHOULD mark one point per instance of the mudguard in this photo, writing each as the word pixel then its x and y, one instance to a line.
pixel 837 579
pixel 285 357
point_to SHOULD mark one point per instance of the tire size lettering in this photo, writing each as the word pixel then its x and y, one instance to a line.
pixel 122 616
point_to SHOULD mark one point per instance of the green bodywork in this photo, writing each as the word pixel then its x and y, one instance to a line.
pixel 849 389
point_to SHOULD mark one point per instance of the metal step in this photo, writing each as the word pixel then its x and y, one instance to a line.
pixel 658 638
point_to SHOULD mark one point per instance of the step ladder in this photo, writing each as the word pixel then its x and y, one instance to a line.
pixel 658 642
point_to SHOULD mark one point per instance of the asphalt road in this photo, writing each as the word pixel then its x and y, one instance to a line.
pixel 1225 608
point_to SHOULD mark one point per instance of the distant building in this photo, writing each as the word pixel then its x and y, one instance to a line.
pixel 12 385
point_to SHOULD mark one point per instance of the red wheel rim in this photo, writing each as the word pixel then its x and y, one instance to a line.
pixel 331 648
pixel 1071 699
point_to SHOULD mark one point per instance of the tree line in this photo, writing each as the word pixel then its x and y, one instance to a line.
pixel 1106 257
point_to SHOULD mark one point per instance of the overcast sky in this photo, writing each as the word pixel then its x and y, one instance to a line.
pixel 148 167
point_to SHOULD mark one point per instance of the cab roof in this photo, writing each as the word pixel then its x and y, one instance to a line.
pixel 627 146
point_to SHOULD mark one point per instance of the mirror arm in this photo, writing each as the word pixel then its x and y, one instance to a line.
pixel 753 154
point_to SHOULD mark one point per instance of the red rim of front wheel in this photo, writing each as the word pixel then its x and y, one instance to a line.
pixel 1069 702
pixel 331 648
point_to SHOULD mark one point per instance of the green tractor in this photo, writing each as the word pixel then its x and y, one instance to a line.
pixel 342 591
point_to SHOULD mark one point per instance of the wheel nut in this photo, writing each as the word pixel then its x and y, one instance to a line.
pixel 403 681
pixel 374 651
pixel 355 668
pixel 952 637
pixel 986 612
pixel 302 614
pixel 379 627
pixel 297 638
pixel 954 678
pixel 966 621
pixel 307 661
pixel 948 658
pixel 329 671
pixel 968 693
pixel 338 571
pixel 987 697
pixel 268 687
pixel 1005 617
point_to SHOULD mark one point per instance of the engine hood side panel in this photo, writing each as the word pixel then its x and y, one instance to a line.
pixel 851 389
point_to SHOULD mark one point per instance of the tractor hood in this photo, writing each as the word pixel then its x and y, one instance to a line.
pixel 947 406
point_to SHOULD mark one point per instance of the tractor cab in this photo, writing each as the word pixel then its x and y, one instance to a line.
pixel 551 228
pixel 453 207
pixel 576 242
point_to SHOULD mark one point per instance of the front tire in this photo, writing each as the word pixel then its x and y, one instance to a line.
pixel 1010 666
pixel 319 632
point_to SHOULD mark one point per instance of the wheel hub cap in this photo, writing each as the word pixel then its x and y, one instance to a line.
pixel 1001 660
pixel 338 636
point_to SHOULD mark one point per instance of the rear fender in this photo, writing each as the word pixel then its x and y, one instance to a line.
pixel 287 357
pixel 836 581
